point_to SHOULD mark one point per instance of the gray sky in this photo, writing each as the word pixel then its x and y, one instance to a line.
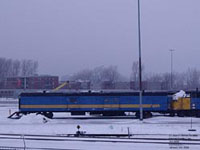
pixel 65 36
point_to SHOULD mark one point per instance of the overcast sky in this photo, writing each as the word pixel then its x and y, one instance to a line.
pixel 66 36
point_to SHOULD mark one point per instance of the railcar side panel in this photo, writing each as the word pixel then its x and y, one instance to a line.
pixel 195 103
pixel 67 103
pixel 42 103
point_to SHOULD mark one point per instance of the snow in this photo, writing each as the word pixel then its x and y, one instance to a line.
pixel 6 99
pixel 91 146
pixel 180 94
pixel 158 126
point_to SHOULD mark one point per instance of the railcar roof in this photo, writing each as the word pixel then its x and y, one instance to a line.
pixel 101 93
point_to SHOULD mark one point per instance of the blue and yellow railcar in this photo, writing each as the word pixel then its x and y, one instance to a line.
pixel 186 106
pixel 94 103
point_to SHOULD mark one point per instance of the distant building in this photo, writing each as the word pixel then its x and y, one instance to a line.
pixel 146 85
pixel 76 85
pixel 31 82
pixel 135 85
pixel 122 85
pixel 115 85
pixel 107 85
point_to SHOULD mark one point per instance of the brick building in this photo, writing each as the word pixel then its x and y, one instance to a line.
pixel 31 82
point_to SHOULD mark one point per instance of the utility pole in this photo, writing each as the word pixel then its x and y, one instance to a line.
pixel 171 78
pixel 140 62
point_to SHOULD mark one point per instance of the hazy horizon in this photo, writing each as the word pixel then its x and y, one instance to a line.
pixel 68 36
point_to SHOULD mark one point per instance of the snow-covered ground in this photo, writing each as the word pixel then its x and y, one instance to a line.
pixel 156 126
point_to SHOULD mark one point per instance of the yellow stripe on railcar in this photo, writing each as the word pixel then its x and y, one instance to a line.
pixel 93 106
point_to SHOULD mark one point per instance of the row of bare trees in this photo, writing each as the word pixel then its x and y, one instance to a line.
pixel 98 75
pixel 11 68
pixel 188 80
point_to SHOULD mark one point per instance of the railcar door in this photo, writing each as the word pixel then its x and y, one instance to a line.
pixel 75 106
pixel 73 102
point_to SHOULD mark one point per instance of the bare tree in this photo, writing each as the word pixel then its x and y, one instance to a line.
pixel 82 75
pixel 193 78
pixel 5 67
pixel 2 68
pixel 25 67
pixel 34 67
pixel 179 81
pixel 135 71
pixel 154 78
pixel 16 66
pixel 8 67
pixel 166 79
pixel 97 75
pixel 28 67
pixel 110 74
pixel 12 68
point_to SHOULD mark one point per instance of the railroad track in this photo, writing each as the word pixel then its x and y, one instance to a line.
pixel 31 148
pixel 96 117
pixel 108 138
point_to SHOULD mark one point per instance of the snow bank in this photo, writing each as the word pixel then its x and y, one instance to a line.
pixel 36 124
pixel 33 119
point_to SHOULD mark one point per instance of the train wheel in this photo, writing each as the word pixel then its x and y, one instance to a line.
pixel 48 114
pixel 137 115
pixel 147 114
pixel 171 114
pixel 180 114
pixel 197 114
